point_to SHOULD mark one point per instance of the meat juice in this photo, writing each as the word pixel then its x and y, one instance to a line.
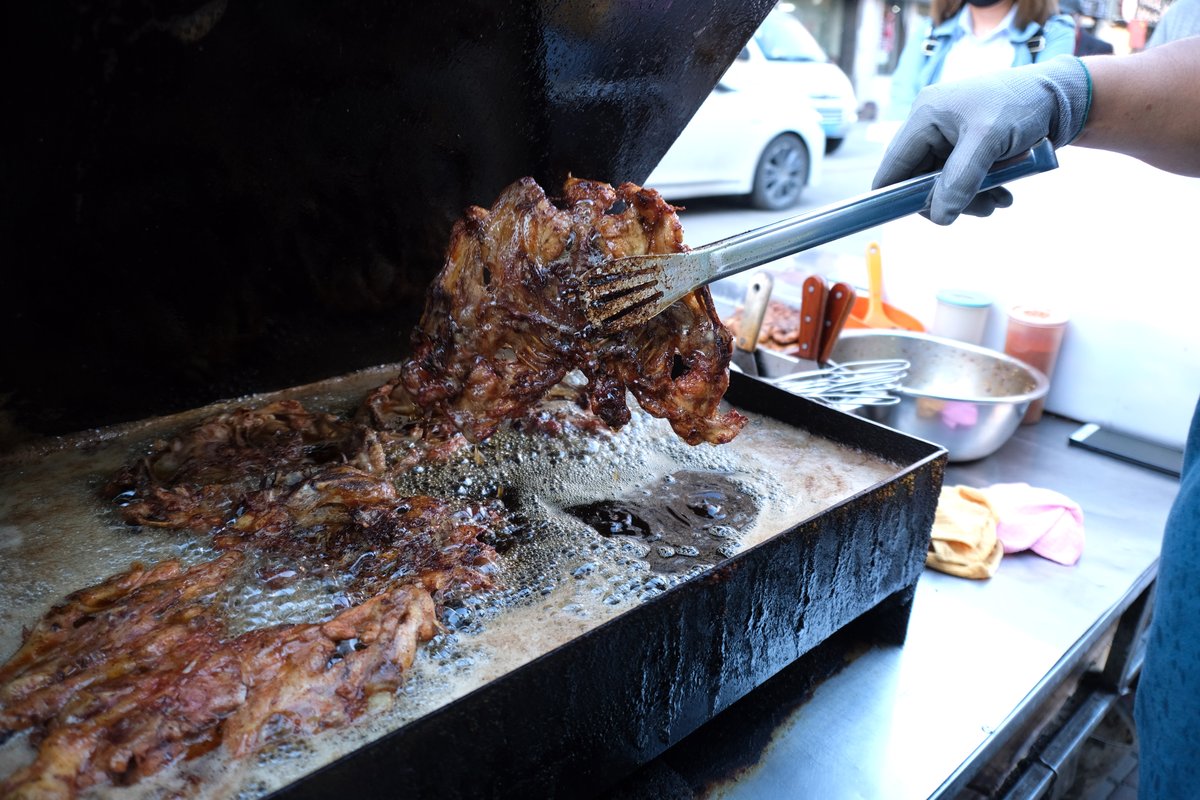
pixel 557 575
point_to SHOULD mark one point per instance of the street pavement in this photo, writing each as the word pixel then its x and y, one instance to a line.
pixel 848 173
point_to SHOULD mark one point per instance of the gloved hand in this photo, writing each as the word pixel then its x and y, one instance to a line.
pixel 968 126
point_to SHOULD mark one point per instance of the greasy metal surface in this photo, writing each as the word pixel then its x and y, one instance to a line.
pixel 579 718
pixel 204 199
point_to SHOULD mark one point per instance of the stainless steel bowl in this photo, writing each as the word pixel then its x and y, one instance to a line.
pixel 968 399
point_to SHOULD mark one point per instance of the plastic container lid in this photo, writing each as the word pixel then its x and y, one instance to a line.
pixel 961 297
pixel 1037 316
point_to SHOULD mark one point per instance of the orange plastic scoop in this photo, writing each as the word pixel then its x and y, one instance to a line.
pixel 903 319
pixel 872 311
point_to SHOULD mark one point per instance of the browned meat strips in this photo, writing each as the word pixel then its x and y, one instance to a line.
pixel 245 443
pixel 94 631
pixel 181 682
pixel 201 479
pixel 139 671
pixel 352 526
pixel 502 322
pixel 196 480
pixel 780 326
pixel 120 679
pixel 306 678
pixel 154 693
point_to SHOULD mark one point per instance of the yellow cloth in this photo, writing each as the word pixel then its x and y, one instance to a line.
pixel 964 534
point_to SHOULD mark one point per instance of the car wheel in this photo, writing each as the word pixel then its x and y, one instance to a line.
pixel 781 173
pixel 833 144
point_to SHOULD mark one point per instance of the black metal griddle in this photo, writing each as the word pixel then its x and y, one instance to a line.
pixel 211 199
pixel 576 720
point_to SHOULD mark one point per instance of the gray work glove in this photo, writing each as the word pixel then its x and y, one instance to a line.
pixel 968 126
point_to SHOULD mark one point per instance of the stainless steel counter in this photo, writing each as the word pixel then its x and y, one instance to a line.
pixel 918 720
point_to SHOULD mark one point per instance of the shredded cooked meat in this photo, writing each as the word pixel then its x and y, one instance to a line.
pixel 103 632
pixel 306 678
pixel 123 678
pixel 197 480
pixel 314 495
pixel 141 670
pixel 201 478
pixel 780 328
pixel 503 323
pixel 352 526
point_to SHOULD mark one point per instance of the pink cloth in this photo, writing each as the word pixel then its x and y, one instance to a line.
pixel 1042 520
pixel 956 413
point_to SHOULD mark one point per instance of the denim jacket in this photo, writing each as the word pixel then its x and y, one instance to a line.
pixel 918 69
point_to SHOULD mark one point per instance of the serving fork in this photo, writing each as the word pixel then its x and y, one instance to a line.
pixel 627 292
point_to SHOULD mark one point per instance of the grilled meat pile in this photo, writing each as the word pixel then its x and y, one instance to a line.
pixel 145 668
pixel 503 323
pixel 127 676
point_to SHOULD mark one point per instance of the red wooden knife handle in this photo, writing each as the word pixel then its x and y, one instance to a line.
pixel 812 316
pixel 837 311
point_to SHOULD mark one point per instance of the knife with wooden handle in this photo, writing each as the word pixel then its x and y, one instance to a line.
pixel 754 309
pixel 837 311
pixel 812 317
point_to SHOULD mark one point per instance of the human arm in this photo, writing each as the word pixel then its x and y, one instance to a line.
pixel 1146 105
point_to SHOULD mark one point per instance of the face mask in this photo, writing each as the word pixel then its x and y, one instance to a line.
pixel 982 3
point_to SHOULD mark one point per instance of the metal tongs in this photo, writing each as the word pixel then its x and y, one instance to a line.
pixel 629 291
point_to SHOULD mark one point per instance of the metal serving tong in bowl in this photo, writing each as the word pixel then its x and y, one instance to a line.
pixel 628 291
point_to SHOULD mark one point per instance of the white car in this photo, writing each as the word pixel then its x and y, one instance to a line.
pixel 745 139
pixel 783 52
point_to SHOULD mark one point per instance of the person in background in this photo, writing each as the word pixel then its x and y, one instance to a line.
pixel 1147 106
pixel 1086 43
pixel 1180 20
pixel 976 38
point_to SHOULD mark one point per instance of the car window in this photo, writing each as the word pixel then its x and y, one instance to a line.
pixel 782 37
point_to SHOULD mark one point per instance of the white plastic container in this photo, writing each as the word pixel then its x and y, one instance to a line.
pixel 961 315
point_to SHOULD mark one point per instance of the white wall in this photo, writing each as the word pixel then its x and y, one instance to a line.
pixel 1113 243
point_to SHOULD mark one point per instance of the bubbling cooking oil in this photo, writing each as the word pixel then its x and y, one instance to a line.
pixel 601 523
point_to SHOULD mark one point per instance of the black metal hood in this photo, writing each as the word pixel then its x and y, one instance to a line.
pixel 204 199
